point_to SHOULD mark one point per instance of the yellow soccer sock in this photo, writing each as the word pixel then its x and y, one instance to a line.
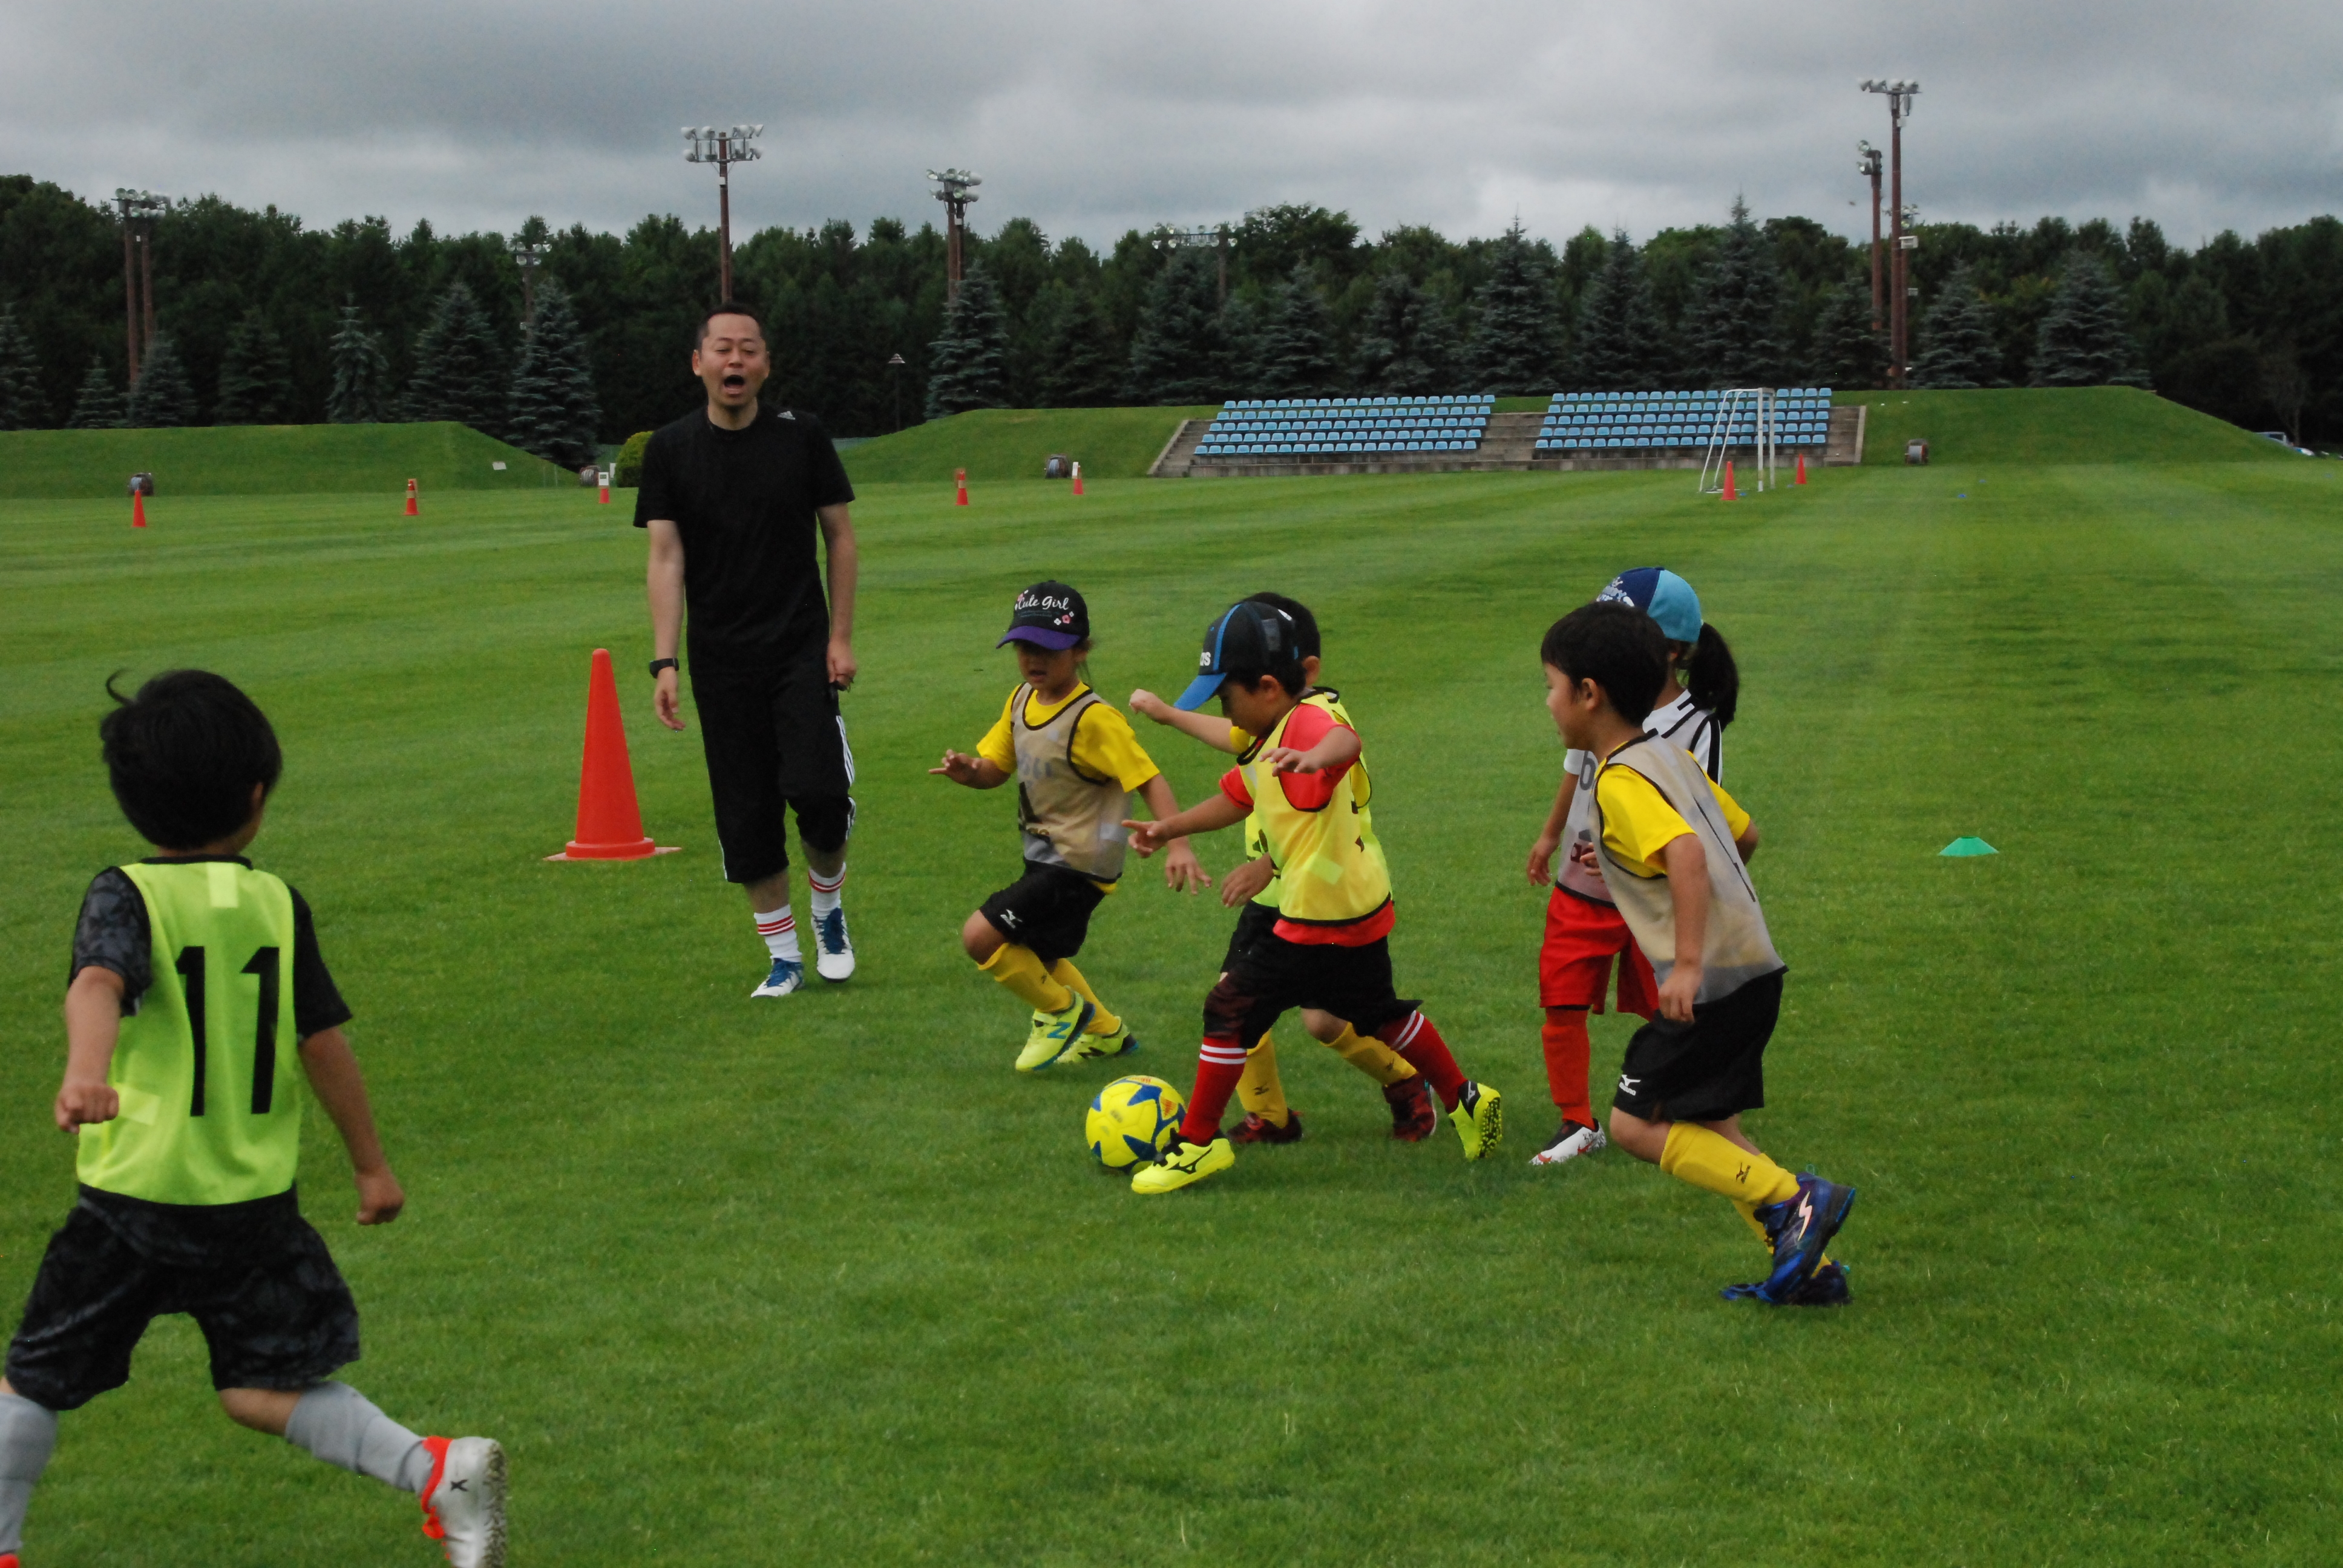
pixel 1714 1162
pixel 1020 969
pixel 1371 1056
pixel 1260 1089
pixel 1064 972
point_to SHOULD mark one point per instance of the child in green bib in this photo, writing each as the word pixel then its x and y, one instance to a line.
pixel 199 1018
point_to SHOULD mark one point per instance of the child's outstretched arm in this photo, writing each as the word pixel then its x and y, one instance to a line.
pixel 1208 816
pixel 340 1087
pixel 93 1026
pixel 1549 838
pixel 1688 865
pixel 976 772
pixel 1213 732
pixel 1183 872
pixel 1340 748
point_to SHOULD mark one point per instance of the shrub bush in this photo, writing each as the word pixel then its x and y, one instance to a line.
pixel 628 471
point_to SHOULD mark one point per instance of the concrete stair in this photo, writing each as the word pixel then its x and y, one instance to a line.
pixel 1843 446
pixel 1179 453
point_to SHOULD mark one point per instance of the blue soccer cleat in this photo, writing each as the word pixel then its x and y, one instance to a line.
pixel 1801 1228
pixel 1826 1287
pixel 787 975
pixel 833 949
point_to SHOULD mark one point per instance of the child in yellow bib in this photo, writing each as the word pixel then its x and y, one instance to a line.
pixel 200 1019
pixel 1077 764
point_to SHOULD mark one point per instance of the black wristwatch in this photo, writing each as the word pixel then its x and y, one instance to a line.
pixel 659 664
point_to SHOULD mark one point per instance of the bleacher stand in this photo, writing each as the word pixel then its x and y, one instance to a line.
pixel 1592 423
pixel 1344 426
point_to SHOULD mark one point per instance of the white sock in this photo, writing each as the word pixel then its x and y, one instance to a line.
pixel 825 894
pixel 340 1425
pixel 28 1432
pixel 780 930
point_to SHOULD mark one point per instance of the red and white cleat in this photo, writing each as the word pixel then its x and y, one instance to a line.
pixel 464 1505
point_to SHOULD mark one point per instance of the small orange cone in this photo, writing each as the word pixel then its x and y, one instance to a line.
pixel 1078 479
pixel 960 477
pixel 1728 481
pixel 410 498
pixel 609 822
pixel 137 509
pixel 1802 469
pixel 605 477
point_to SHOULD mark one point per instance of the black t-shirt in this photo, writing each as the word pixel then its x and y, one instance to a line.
pixel 115 933
pixel 744 503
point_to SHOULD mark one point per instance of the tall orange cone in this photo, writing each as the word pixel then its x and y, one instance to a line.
pixel 1802 469
pixel 960 477
pixel 605 477
pixel 410 498
pixel 137 509
pixel 1728 481
pixel 1078 479
pixel 609 822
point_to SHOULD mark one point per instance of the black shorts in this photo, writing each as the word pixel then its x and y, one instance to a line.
pixel 273 1308
pixel 774 739
pixel 1255 922
pixel 1047 909
pixel 1271 976
pixel 1707 1069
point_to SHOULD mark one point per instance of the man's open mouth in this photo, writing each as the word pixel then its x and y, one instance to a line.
pixel 735 383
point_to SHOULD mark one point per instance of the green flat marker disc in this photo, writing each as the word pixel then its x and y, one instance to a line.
pixel 1968 847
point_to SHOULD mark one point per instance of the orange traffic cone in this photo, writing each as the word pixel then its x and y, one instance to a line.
pixel 410 498
pixel 605 477
pixel 1728 481
pixel 137 509
pixel 1078 479
pixel 1802 469
pixel 960 477
pixel 609 822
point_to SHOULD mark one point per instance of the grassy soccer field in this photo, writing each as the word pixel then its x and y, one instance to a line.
pixel 825 1282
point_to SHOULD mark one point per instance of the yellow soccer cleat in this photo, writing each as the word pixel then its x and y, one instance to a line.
pixel 1093 1047
pixel 1188 1163
pixel 1480 1119
pixel 1054 1034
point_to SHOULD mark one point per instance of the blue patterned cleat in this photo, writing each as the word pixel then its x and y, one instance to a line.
pixel 1801 1228
pixel 789 975
pixel 1826 1287
pixel 833 949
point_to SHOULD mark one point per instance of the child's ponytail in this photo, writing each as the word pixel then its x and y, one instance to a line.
pixel 1713 680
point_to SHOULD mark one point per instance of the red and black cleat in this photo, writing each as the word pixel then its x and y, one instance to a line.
pixel 1414 1118
pixel 1259 1128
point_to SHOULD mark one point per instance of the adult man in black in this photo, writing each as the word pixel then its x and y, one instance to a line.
pixel 732 497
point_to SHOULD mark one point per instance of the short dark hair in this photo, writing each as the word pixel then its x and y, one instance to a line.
pixel 1618 648
pixel 184 754
pixel 1305 624
pixel 729 307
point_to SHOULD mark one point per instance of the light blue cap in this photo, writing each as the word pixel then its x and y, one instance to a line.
pixel 1659 593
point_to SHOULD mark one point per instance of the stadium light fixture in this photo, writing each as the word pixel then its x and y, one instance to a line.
pixel 530 258
pixel 139 210
pixel 723 145
pixel 954 188
pixel 1899 95
pixel 1217 238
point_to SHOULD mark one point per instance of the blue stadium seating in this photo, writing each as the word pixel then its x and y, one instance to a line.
pixel 1323 428
pixel 1600 423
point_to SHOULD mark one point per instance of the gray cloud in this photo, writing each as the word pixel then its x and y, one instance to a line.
pixel 1095 117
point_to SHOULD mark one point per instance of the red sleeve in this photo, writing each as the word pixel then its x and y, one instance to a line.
pixel 1232 785
pixel 1306 729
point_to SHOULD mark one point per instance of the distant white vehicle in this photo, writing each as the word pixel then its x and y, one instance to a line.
pixel 2279 436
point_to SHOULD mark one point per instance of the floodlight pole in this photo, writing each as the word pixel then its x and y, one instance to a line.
pixel 723 147
pixel 1870 166
pixel 895 375
pixel 138 212
pixel 953 189
pixel 1217 238
pixel 1899 95
pixel 129 292
pixel 529 256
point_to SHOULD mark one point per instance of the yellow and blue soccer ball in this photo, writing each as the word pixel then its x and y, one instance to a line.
pixel 1133 1122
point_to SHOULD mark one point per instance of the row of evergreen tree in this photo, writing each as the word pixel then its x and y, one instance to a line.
pixel 255 309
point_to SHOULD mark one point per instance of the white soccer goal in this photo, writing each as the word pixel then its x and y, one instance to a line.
pixel 1756 410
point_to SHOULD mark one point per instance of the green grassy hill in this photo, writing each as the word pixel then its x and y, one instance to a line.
pixel 2055 425
pixel 265 460
pixel 1013 444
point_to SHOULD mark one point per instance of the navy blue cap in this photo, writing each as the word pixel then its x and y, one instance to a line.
pixel 1049 615
pixel 1661 595
pixel 1250 639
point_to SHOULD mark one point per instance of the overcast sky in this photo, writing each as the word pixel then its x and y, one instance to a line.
pixel 1093 117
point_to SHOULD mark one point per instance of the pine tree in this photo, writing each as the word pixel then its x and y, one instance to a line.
pixel 1515 342
pixel 1406 346
pixel 1734 336
pixel 256 385
pixel 967 367
pixel 1179 353
pixel 1620 346
pixel 1295 357
pixel 458 367
pixel 1077 364
pixel 555 414
pixel 2084 341
pixel 20 376
pixel 98 405
pixel 1958 349
pixel 164 399
pixel 361 390
pixel 1846 351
